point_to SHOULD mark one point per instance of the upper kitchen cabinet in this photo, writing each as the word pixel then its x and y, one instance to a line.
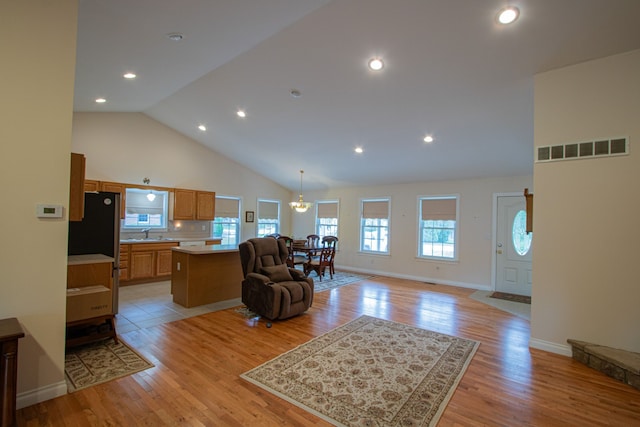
pixel 206 205
pixel 193 205
pixel 76 187
pixel 116 187
pixel 91 185
pixel 184 204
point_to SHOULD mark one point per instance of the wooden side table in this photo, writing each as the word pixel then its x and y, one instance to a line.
pixel 10 332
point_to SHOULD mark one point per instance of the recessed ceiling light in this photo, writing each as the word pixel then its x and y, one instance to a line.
pixel 295 93
pixel 241 113
pixel 202 128
pixel 129 76
pixel 359 150
pixel 376 64
pixel 100 100
pixel 428 138
pixel 508 15
pixel 176 37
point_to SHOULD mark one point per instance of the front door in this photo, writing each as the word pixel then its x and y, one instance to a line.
pixel 513 247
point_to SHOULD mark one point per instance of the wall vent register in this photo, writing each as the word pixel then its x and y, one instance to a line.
pixel 583 150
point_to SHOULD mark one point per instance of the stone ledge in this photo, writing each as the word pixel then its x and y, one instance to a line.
pixel 622 365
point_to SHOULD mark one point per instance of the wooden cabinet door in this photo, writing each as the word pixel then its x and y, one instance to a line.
pixel 163 263
pixel 184 204
pixel 142 265
pixel 123 268
pixel 116 187
pixel 91 185
pixel 76 187
pixel 206 205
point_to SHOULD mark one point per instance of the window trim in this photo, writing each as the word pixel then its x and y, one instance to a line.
pixel 360 226
pixel 239 224
pixel 165 211
pixel 318 203
pixel 456 243
pixel 257 216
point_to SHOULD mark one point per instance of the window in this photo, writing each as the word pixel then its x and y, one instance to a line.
pixel 374 226
pixel 438 225
pixel 226 224
pixel 146 209
pixel 268 217
pixel 327 218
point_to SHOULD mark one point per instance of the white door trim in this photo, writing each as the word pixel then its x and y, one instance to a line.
pixel 494 234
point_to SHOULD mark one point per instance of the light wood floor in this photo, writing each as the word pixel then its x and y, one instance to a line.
pixel 198 361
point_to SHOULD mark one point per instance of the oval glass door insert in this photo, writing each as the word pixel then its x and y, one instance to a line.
pixel 521 239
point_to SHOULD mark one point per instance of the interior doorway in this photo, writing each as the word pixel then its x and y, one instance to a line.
pixel 513 246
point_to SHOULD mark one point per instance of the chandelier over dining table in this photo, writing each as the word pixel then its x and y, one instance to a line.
pixel 300 205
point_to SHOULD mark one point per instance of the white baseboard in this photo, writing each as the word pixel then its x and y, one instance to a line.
pixel 32 397
pixel 551 347
pixel 476 286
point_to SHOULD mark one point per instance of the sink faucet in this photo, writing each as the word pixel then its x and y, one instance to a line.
pixel 146 232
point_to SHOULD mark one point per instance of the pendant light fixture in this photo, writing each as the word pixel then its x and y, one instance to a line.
pixel 151 197
pixel 300 206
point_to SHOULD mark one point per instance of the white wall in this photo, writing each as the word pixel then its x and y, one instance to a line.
pixel 37 41
pixel 585 274
pixel 126 147
pixel 473 269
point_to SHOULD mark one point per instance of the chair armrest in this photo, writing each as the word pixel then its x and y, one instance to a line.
pixel 297 274
pixel 258 278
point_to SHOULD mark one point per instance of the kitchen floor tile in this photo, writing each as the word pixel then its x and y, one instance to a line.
pixel 150 304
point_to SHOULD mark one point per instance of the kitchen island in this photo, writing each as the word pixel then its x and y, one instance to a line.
pixel 205 274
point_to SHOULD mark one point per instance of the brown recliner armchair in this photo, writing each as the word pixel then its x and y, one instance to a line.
pixel 270 288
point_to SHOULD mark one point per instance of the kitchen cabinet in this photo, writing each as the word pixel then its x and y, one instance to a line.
pixel 91 185
pixel 123 268
pixel 193 205
pixel 76 187
pixel 149 261
pixel 206 205
pixel 89 298
pixel 116 187
pixel 184 204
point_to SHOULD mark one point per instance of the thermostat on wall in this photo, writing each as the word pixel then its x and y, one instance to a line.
pixel 49 211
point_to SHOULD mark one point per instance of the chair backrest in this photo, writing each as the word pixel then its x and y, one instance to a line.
pixel 326 256
pixel 274 235
pixel 313 240
pixel 262 252
pixel 329 241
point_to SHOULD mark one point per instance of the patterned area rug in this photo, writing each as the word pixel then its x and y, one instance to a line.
pixel 511 297
pixel 370 372
pixel 340 278
pixel 100 362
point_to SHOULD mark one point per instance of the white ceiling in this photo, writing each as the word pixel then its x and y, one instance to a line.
pixel 450 71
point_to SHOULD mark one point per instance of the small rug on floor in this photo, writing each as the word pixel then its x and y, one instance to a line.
pixel 511 297
pixel 370 372
pixel 340 278
pixel 99 362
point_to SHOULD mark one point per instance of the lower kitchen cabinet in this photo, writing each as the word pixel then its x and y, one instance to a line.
pixel 149 261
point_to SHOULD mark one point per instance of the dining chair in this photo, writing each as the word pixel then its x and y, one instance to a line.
pixel 293 259
pixel 321 263
pixel 330 242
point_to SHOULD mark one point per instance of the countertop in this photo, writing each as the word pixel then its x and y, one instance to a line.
pixel 88 259
pixel 167 240
pixel 204 250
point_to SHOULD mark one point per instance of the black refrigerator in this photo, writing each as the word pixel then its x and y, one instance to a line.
pixel 99 232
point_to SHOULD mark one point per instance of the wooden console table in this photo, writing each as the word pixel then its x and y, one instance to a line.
pixel 10 332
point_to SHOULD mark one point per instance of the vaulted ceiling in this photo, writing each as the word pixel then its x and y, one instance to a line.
pixel 450 71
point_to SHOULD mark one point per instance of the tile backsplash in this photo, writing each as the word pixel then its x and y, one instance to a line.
pixel 175 230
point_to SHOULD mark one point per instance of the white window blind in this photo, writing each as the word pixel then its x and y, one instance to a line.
pixel 375 209
pixel 267 210
pixel 439 209
pixel 227 207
